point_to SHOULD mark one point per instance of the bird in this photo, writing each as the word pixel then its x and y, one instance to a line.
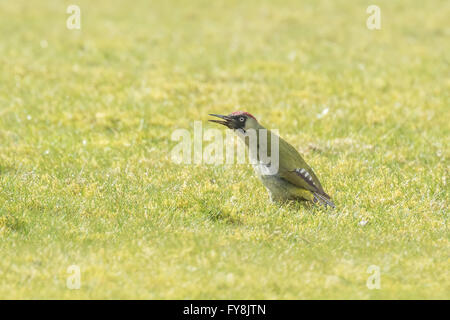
pixel 294 180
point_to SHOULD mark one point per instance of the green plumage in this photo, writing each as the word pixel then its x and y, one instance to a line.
pixel 295 179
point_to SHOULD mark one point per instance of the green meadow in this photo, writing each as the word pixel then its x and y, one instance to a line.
pixel 87 179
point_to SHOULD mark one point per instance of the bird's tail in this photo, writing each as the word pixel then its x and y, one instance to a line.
pixel 323 199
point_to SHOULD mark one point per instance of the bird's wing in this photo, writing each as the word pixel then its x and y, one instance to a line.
pixel 296 171
pixel 305 179
pixel 302 178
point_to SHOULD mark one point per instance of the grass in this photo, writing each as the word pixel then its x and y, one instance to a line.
pixel 86 177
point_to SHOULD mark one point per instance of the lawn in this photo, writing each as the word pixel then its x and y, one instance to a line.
pixel 87 179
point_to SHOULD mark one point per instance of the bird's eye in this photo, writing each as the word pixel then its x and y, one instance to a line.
pixel 241 119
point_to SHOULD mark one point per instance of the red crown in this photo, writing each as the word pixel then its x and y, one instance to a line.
pixel 239 113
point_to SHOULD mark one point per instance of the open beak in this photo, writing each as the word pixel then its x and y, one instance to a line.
pixel 229 122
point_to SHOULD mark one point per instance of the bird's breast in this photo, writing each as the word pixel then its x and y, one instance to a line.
pixel 263 169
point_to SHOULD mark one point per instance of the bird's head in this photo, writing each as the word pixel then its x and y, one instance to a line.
pixel 237 120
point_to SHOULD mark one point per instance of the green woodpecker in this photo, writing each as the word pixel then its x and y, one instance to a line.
pixel 292 178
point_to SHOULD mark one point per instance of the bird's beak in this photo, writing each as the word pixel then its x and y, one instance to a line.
pixel 229 122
